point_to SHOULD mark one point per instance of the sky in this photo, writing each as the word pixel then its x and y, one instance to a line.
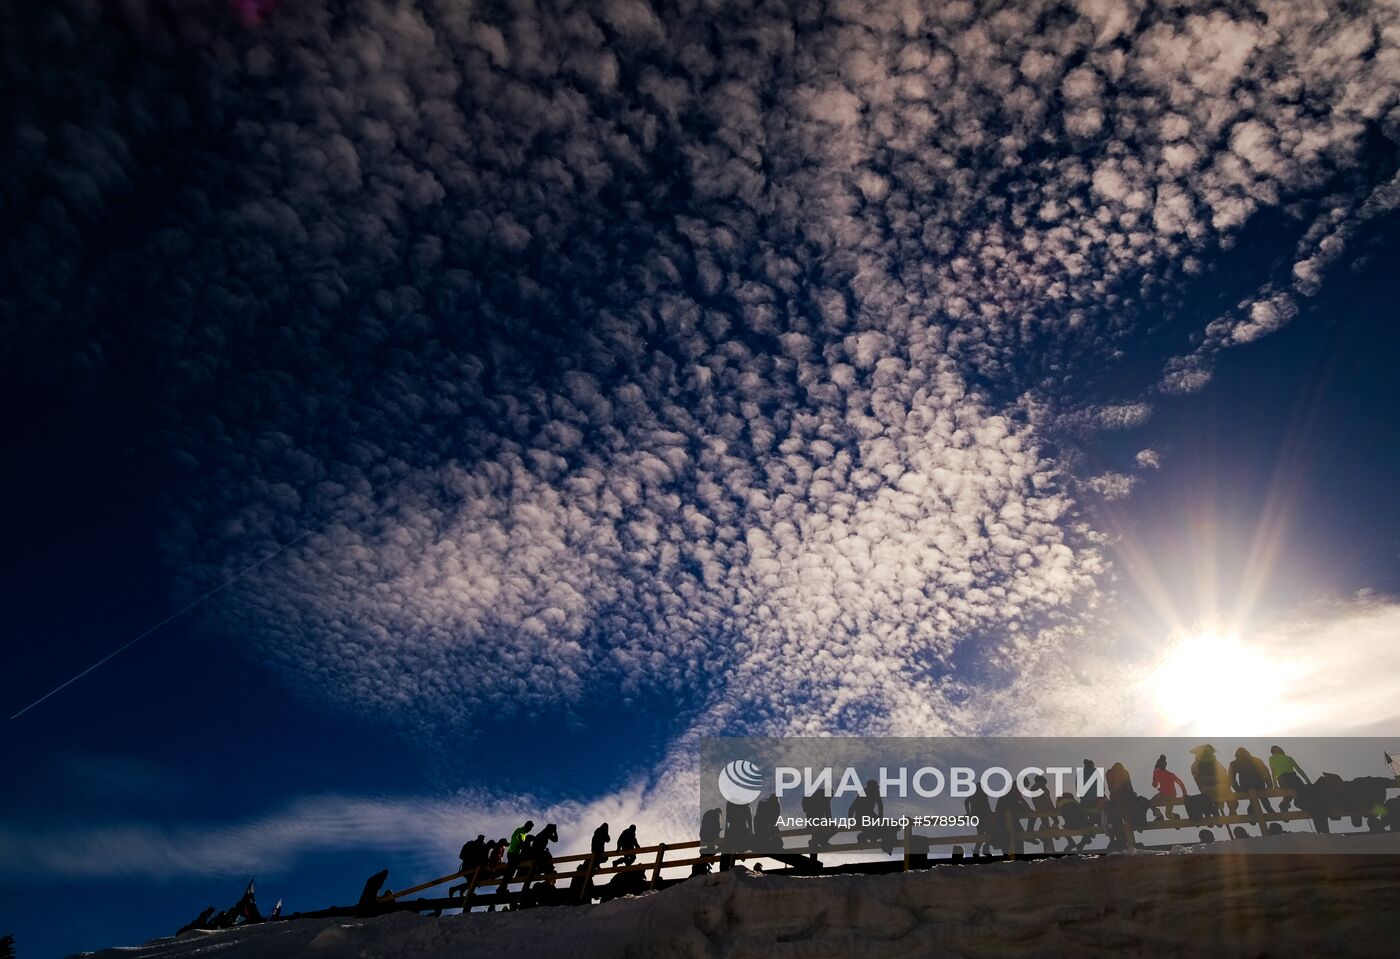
pixel 542 387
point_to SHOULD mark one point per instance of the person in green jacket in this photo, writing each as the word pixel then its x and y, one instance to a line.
pixel 519 842
pixel 1287 773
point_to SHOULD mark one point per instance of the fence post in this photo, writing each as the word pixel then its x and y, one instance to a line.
pixel 1011 841
pixel 656 873
pixel 524 883
pixel 908 838
pixel 583 893
pixel 471 887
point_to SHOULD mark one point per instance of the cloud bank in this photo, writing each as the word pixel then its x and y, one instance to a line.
pixel 718 351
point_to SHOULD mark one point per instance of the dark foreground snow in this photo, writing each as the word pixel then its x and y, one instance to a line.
pixel 1290 903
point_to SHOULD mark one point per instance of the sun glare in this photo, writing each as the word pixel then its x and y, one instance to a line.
pixel 1212 682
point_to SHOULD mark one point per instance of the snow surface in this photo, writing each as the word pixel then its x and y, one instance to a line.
pixel 1291 903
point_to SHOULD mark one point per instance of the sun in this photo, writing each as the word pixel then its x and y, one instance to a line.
pixel 1210 681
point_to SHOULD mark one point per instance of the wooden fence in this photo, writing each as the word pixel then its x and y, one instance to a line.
pixel 652 860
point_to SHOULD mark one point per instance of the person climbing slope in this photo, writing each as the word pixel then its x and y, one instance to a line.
pixel 1287 773
pixel 625 844
pixel 519 842
pixel 1249 773
pixel 599 847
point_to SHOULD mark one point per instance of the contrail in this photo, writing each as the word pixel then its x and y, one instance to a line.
pixel 175 615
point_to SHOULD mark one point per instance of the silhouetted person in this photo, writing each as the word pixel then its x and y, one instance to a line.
pixel 473 854
pixel 473 857
pixel 871 804
pixel 199 922
pixel 738 827
pixel 1076 818
pixel 519 842
pixel 1319 798
pixel 599 847
pixel 765 823
pixel 1206 835
pixel 1249 773
pixel 537 849
pixel 1383 816
pixel 1123 806
pixel 1091 802
pixel 631 883
pixel 1006 816
pixel 710 831
pixel 1044 805
pixel 979 807
pixel 580 886
pixel 369 895
pixel 1287 773
pixel 496 854
pixel 1168 785
pixel 1392 818
pixel 1211 778
pixel 863 806
pixel 1275 829
pixel 625 844
pixel 818 806
pixel 1241 833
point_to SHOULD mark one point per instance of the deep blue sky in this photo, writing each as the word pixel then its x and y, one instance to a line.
pixel 625 374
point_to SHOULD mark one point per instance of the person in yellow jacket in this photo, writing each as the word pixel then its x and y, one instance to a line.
pixel 1287 773
pixel 1210 777
pixel 519 842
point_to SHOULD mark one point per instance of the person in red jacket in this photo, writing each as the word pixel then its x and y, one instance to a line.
pixel 1168 785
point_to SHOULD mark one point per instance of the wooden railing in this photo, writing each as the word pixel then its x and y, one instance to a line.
pixel 522 874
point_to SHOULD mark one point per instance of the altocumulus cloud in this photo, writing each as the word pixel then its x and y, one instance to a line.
pixel 683 347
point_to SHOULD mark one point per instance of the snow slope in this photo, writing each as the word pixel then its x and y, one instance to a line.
pixel 1134 904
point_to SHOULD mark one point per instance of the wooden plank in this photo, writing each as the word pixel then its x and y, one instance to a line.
pixel 391 896
pixel 471 887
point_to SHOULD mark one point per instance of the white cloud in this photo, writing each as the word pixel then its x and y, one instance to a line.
pixel 1112 486
pixel 1110 416
pixel 599 355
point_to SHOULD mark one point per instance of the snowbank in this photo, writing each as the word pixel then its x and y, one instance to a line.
pixel 1132 904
